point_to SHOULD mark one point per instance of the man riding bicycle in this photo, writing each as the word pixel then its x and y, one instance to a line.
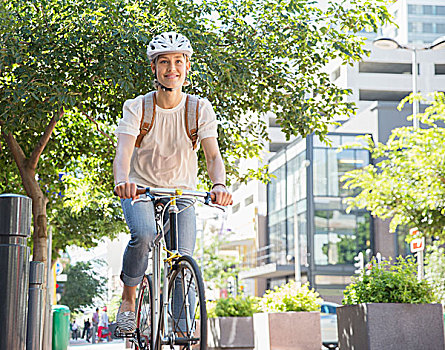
pixel 158 148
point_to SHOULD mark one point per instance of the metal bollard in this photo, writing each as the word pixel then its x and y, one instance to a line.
pixel 34 330
pixel 15 224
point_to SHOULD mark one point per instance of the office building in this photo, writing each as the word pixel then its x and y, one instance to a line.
pixel 306 231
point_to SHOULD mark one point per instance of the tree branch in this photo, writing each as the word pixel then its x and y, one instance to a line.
pixel 35 155
pixel 98 129
pixel 16 150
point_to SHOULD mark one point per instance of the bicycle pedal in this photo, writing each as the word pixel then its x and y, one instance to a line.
pixel 119 334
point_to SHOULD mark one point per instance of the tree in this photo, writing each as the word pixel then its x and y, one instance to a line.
pixel 67 66
pixel 407 184
pixel 82 287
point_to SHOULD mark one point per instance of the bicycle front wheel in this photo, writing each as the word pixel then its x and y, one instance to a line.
pixel 144 334
pixel 187 305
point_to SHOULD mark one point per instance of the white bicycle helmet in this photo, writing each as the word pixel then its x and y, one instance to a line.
pixel 169 42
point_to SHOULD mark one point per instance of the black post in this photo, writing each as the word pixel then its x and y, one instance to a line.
pixel 34 331
pixel 15 224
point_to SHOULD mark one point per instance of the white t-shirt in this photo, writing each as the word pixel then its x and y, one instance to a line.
pixel 166 157
pixel 103 320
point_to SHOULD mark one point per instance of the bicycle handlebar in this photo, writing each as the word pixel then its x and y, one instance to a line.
pixel 175 192
pixel 151 192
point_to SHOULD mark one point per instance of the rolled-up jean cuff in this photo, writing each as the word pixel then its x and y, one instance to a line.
pixel 131 281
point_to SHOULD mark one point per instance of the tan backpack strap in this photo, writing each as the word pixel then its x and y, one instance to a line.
pixel 186 116
pixel 191 118
pixel 147 120
pixel 194 133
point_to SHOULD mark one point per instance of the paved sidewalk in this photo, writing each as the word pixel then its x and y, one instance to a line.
pixel 117 344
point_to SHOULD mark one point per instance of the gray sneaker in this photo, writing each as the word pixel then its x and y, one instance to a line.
pixel 126 321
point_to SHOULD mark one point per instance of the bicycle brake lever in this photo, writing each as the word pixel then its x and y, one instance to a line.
pixel 217 206
pixel 146 199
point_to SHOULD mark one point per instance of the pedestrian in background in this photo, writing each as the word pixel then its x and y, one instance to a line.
pixel 95 325
pixel 74 330
pixel 86 329
pixel 104 331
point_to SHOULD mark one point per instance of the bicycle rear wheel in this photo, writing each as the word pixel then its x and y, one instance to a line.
pixel 187 306
pixel 144 335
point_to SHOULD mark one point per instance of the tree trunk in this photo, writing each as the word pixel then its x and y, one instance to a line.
pixel 40 249
pixel 39 201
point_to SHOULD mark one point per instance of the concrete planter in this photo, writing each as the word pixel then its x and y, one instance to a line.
pixel 287 331
pixel 234 333
pixel 390 326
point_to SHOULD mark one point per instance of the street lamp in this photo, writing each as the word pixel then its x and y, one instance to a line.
pixel 392 44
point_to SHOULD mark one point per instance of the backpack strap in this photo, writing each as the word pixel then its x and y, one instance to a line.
pixel 149 113
pixel 148 116
pixel 191 118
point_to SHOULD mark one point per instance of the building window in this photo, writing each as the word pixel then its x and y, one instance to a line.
pixel 415 27
pixel 340 236
pixel 320 178
pixel 273 123
pixel 427 27
pixel 296 179
pixel 402 248
pixel 385 68
pixel 236 208
pixel 277 190
pixel 330 166
pixel 236 186
pixel 415 9
pixel 439 69
pixel 427 9
pixel 277 240
pixel 440 10
pixel 248 201
pixel 440 28
pixel 335 74
pixel 381 95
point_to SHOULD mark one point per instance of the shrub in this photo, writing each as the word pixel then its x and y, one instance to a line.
pixel 389 283
pixel 435 270
pixel 291 297
pixel 239 306
pixel 210 306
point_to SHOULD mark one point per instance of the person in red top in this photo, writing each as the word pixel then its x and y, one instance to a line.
pixel 104 331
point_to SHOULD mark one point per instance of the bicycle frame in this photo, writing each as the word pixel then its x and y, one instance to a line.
pixel 160 311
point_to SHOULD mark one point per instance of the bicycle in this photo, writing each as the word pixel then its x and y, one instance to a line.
pixel 162 319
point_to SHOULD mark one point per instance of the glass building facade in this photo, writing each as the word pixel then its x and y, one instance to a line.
pixel 307 219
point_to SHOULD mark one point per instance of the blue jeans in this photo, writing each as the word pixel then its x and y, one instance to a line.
pixel 140 219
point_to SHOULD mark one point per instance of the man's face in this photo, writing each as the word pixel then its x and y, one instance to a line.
pixel 171 69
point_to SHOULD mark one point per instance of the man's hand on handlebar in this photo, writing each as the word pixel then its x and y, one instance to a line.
pixel 126 190
pixel 223 196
